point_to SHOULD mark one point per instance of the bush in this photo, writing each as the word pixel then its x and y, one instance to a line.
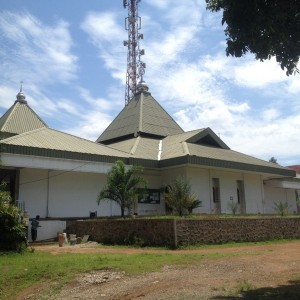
pixel 180 198
pixel 281 208
pixel 234 207
pixel 12 229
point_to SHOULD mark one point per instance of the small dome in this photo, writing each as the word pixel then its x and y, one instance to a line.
pixel 142 86
pixel 21 96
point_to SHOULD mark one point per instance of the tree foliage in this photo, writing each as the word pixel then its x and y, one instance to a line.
pixel 267 28
pixel 12 229
pixel 123 186
pixel 273 160
pixel 281 208
pixel 180 198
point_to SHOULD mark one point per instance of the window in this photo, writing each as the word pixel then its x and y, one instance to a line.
pixel 240 192
pixel 216 189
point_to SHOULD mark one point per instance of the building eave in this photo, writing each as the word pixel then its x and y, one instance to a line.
pixel 204 161
pixel 43 152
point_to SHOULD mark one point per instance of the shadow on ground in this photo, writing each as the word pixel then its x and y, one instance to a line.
pixel 282 292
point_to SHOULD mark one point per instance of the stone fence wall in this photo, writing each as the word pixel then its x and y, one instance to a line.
pixel 176 232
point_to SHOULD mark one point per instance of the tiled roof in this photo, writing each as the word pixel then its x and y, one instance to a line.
pixel 20 118
pixel 140 147
pixel 50 139
pixel 142 116
pixel 178 149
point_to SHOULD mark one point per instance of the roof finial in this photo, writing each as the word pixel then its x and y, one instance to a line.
pixel 142 86
pixel 20 96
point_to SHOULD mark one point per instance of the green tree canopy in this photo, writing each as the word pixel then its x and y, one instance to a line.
pixel 123 186
pixel 266 28
pixel 273 160
pixel 12 229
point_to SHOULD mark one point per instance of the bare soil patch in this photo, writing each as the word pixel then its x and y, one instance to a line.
pixel 272 269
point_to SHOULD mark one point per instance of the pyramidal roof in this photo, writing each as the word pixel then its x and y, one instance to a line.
pixel 19 118
pixel 143 116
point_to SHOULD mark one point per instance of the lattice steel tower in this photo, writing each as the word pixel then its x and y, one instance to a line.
pixel 135 67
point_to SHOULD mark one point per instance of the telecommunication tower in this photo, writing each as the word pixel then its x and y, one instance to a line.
pixel 135 67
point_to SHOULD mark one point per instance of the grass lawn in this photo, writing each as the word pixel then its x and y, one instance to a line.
pixel 19 271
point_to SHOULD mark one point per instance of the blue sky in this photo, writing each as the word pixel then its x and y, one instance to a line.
pixel 71 57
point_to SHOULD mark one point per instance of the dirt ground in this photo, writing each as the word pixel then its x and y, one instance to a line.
pixel 251 272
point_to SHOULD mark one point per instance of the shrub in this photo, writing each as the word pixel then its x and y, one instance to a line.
pixel 281 208
pixel 180 198
pixel 234 207
pixel 12 229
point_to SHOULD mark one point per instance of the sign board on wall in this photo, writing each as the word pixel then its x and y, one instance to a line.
pixel 152 196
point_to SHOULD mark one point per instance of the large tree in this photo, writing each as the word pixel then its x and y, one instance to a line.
pixel 124 185
pixel 267 28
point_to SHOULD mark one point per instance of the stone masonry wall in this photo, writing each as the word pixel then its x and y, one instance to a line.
pixel 176 232
pixel 128 231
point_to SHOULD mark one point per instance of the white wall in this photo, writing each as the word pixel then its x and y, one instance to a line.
pixel 33 191
pixel 200 182
pixel 200 179
pixel 274 194
pixel 63 194
pixel 254 194
pixel 48 230
pixel 74 194
pixel 60 194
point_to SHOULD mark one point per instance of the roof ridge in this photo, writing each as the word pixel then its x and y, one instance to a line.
pixel 134 147
pixel 36 114
pixel 141 112
pixel 17 136
pixel 8 113
pixel 185 148
pixel 20 118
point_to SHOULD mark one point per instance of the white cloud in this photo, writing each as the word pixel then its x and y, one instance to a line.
pixel 102 26
pixel 99 103
pixel 107 35
pixel 294 84
pixel 91 125
pixel 159 4
pixel 264 139
pixel 5 96
pixel 40 55
pixel 253 73
pixel 69 107
pixel 270 114
pixel 40 51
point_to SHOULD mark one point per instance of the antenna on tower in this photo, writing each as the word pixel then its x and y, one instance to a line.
pixel 135 67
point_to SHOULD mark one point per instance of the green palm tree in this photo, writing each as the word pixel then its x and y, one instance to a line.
pixel 123 186
pixel 180 198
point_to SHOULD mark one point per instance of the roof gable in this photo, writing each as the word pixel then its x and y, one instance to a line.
pixel 19 118
pixel 207 137
pixel 143 116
